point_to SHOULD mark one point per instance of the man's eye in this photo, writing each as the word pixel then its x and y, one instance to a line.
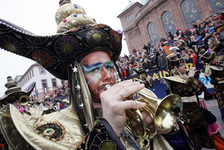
pixel 95 70
pixel 110 68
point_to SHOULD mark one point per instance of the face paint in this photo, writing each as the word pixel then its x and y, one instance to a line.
pixel 109 65
pixel 96 68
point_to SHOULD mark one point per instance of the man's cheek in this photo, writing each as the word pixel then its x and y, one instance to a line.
pixel 93 79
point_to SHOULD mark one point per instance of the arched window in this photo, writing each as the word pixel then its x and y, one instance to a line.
pixel 152 32
pixel 190 12
pixel 216 5
pixel 168 23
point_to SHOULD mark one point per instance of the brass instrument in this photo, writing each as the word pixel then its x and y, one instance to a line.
pixel 23 100
pixel 163 112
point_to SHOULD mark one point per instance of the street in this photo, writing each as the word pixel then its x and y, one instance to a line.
pixel 213 107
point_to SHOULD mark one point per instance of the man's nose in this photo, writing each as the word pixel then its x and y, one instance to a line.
pixel 106 73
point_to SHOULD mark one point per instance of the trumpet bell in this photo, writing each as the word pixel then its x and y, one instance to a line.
pixel 169 108
pixel 23 100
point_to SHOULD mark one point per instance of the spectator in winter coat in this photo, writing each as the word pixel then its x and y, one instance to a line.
pixel 162 60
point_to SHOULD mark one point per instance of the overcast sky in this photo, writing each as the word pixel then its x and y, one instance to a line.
pixel 37 16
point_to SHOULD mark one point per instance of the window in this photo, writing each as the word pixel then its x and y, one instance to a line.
pixel 129 18
pixel 152 32
pixel 190 12
pixel 168 22
pixel 216 5
pixel 54 82
pixel 44 83
pixel 42 70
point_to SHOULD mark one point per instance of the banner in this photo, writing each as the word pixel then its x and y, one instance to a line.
pixel 159 86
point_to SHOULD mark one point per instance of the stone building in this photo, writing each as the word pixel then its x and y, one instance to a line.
pixel 46 83
pixel 151 20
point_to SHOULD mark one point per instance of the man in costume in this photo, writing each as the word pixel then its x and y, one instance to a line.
pixel 13 95
pixel 213 59
pixel 84 53
pixel 141 75
pixel 188 86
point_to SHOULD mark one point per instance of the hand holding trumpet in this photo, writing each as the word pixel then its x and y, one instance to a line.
pixel 114 107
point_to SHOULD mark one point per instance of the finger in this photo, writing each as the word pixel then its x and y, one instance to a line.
pixel 119 85
pixel 130 104
pixel 124 87
pixel 193 68
pixel 128 90
pixel 125 84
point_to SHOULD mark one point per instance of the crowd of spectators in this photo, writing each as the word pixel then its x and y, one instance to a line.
pixel 204 34
pixel 52 101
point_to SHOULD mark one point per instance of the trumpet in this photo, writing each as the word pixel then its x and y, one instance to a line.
pixel 164 113
pixel 23 100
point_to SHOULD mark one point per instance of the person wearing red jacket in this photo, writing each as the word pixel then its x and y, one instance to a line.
pixel 192 56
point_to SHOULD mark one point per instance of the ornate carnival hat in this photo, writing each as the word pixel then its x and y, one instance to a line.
pixel 206 55
pixel 60 54
pixel 77 35
pixel 14 93
pixel 174 61
pixel 139 70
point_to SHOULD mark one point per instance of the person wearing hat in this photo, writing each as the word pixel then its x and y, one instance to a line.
pixel 212 57
pixel 187 85
pixel 213 60
pixel 141 75
pixel 19 99
pixel 15 95
pixel 83 53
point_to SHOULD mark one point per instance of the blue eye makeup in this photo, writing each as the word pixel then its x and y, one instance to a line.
pixel 92 68
pixel 96 68
pixel 109 64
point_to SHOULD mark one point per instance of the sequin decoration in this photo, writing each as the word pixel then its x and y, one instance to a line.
pixel 96 38
pixel 116 38
pixel 52 131
pixel 43 58
pixel 76 6
pixel 109 145
pixel 10 43
pixel 66 47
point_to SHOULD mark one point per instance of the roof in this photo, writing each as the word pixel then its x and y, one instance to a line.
pixel 129 6
pixel 35 64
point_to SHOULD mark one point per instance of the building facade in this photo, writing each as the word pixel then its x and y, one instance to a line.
pixel 151 20
pixel 46 83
